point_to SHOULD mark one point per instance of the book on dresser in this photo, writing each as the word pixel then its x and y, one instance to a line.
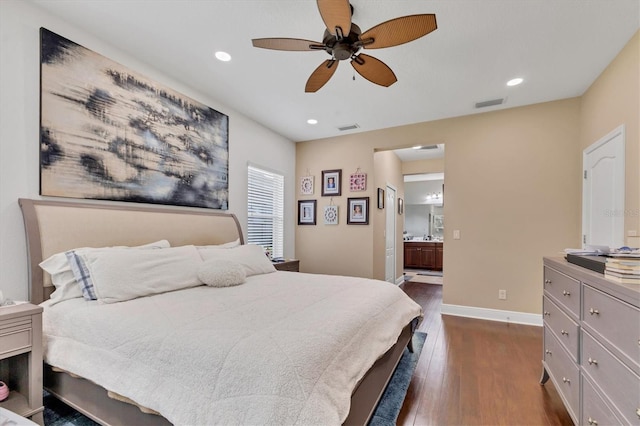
pixel 623 270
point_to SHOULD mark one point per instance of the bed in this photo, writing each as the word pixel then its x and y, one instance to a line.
pixel 254 353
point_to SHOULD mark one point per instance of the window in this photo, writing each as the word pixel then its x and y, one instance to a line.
pixel 265 210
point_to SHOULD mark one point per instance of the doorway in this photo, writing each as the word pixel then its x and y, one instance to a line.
pixel 424 228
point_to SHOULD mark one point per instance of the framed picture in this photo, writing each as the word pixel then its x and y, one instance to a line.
pixel 331 182
pixel 110 133
pixel 331 215
pixel 400 206
pixel 358 182
pixel 380 198
pixel 306 185
pixel 358 213
pixel 306 212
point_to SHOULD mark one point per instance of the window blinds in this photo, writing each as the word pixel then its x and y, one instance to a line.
pixel 265 205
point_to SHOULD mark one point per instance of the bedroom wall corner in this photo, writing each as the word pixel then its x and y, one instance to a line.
pixel 19 134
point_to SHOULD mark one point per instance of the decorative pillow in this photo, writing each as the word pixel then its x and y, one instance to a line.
pixel 231 244
pixel 124 274
pixel 63 278
pixel 251 257
pixel 221 273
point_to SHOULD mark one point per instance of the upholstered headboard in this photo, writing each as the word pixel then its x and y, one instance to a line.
pixel 56 226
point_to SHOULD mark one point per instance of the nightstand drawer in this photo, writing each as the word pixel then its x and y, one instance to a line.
pixel 15 335
pixel 565 329
pixel 564 289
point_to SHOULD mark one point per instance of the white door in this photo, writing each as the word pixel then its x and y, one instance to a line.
pixel 390 235
pixel 603 191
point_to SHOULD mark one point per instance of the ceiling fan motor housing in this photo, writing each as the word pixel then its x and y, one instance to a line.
pixel 344 48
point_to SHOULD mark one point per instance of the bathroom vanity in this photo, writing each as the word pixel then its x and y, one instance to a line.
pixel 423 255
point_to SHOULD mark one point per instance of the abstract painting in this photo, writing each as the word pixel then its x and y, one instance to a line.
pixel 109 133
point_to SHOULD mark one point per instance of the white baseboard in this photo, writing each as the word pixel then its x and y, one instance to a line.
pixel 492 314
pixel 400 280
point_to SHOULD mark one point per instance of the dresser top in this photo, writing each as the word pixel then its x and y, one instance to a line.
pixel 629 293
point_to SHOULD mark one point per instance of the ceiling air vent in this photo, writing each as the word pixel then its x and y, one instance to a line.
pixel 492 102
pixel 348 127
pixel 429 147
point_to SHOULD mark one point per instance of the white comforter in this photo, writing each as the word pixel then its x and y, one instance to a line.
pixel 282 349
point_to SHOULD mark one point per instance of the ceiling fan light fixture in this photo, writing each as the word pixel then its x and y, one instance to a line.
pixel 222 56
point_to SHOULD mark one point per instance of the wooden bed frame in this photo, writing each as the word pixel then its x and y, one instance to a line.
pixel 55 226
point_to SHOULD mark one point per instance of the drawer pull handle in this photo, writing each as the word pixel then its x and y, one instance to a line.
pixel 547 281
pixel 594 312
pixel 564 333
pixel 592 422
pixel 549 314
pixel 592 361
pixel 548 352
pixel 566 293
pixel 565 380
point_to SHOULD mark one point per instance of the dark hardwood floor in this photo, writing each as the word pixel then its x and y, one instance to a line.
pixel 477 372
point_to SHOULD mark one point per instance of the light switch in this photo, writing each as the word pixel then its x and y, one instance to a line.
pixel 456 234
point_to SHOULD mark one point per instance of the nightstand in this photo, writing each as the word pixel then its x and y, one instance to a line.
pixel 21 359
pixel 291 265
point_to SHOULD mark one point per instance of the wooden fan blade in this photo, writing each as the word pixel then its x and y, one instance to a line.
pixel 336 15
pixel 321 75
pixel 296 44
pixel 399 30
pixel 373 70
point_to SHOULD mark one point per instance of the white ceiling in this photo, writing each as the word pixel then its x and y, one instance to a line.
pixel 558 46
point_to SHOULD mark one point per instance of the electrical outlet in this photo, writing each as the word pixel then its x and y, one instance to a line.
pixel 502 294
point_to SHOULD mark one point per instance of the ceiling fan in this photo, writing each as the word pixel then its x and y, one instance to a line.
pixel 344 39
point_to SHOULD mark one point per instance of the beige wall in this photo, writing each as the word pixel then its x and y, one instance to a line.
pixel 388 170
pixel 612 100
pixel 530 157
pixel 423 166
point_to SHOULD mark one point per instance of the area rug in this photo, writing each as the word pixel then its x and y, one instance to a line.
pixel 56 413
pixel 392 399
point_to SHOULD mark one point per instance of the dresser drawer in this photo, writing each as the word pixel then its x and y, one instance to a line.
pixel 563 289
pixel 563 371
pixel 614 321
pixel 617 381
pixel 565 329
pixel 594 410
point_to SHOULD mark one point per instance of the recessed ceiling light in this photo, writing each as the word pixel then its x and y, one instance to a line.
pixel 515 81
pixel 312 121
pixel 223 56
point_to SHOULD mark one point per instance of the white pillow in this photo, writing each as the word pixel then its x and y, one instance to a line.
pixel 221 273
pixel 122 274
pixel 63 278
pixel 251 257
pixel 231 244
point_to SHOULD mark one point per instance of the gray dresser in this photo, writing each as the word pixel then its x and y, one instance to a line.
pixel 591 347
